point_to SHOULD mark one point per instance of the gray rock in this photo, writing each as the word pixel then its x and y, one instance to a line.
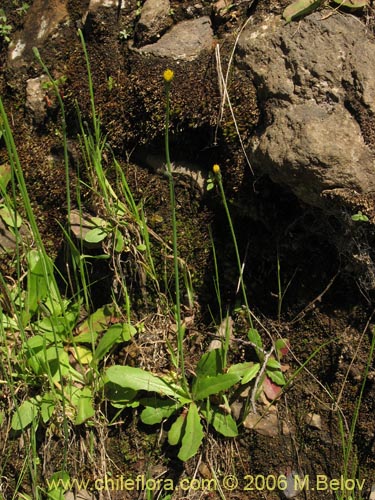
pixel 185 41
pixel 97 4
pixel 305 78
pixel 154 21
pixel 312 150
pixel 41 21
pixel 36 98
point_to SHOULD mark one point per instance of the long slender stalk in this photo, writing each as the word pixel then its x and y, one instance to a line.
pixel 217 172
pixel 168 76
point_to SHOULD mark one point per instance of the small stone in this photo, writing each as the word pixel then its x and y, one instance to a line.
pixel 314 420
pixel 372 492
pixel 266 425
pixel 292 490
pixel 204 471
pixel 236 409
pixel 36 98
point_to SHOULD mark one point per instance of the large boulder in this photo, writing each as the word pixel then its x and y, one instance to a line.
pixel 317 95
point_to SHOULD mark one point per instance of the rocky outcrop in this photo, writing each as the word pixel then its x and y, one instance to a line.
pixel 41 21
pixel 154 21
pixel 312 83
pixel 185 41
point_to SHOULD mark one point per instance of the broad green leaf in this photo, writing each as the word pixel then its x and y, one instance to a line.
pixel 157 410
pixel 98 221
pixel 94 324
pixel 60 478
pixel 177 429
pixel 138 380
pixel 241 369
pixel 128 331
pixel 276 376
pixel 96 235
pixel 254 337
pixel 56 494
pixel 25 414
pixel 111 337
pixel 47 406
pixel 193 435
pixel 44 357
pixel 37 280
pixel 85 408
pixel 119 241
pixel 352 4
pixel 273 364
pixel 82 354
pixel 206 386
pixel 5 176
pixel 300 8
pixel 251 374
pixel 210 363
pixel 10 217
pixel 50 324
pixel 224 424
pixel 119 396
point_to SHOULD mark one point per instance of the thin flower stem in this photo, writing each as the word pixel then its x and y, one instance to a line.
pixel 217 172
pixel 168 75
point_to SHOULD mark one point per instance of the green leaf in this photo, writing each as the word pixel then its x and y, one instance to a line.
pixel 111 337
pixel 224 424
pixel 96 235
pixel 25 414
pixel 94 324
pixel 210 363
pixel 276 376
pixel 273 364
pixel 177 429
pixel 242 369
pixel 62 479
pixel 85 408
pixel 119 241
pixel 138 380
pixel 5 174
pixel 206 386
pixel 10 217
pixel 37 281
pixel 47 406
pixel 300 8
pixel 352 4
pixel 193 434
pixel 251 374
pixel 120 397
pixel 157 410
pixel 360 217
pixel 128 331
pixel 254 337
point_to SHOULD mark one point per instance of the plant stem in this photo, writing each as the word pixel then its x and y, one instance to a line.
pixel 233 234
pixel 180 328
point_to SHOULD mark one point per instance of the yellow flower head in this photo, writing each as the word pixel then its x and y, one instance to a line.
pixel 168 75
pixel 216 169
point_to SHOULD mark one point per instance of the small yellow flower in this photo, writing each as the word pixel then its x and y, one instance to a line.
pixel 216 169
pixel 168 75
